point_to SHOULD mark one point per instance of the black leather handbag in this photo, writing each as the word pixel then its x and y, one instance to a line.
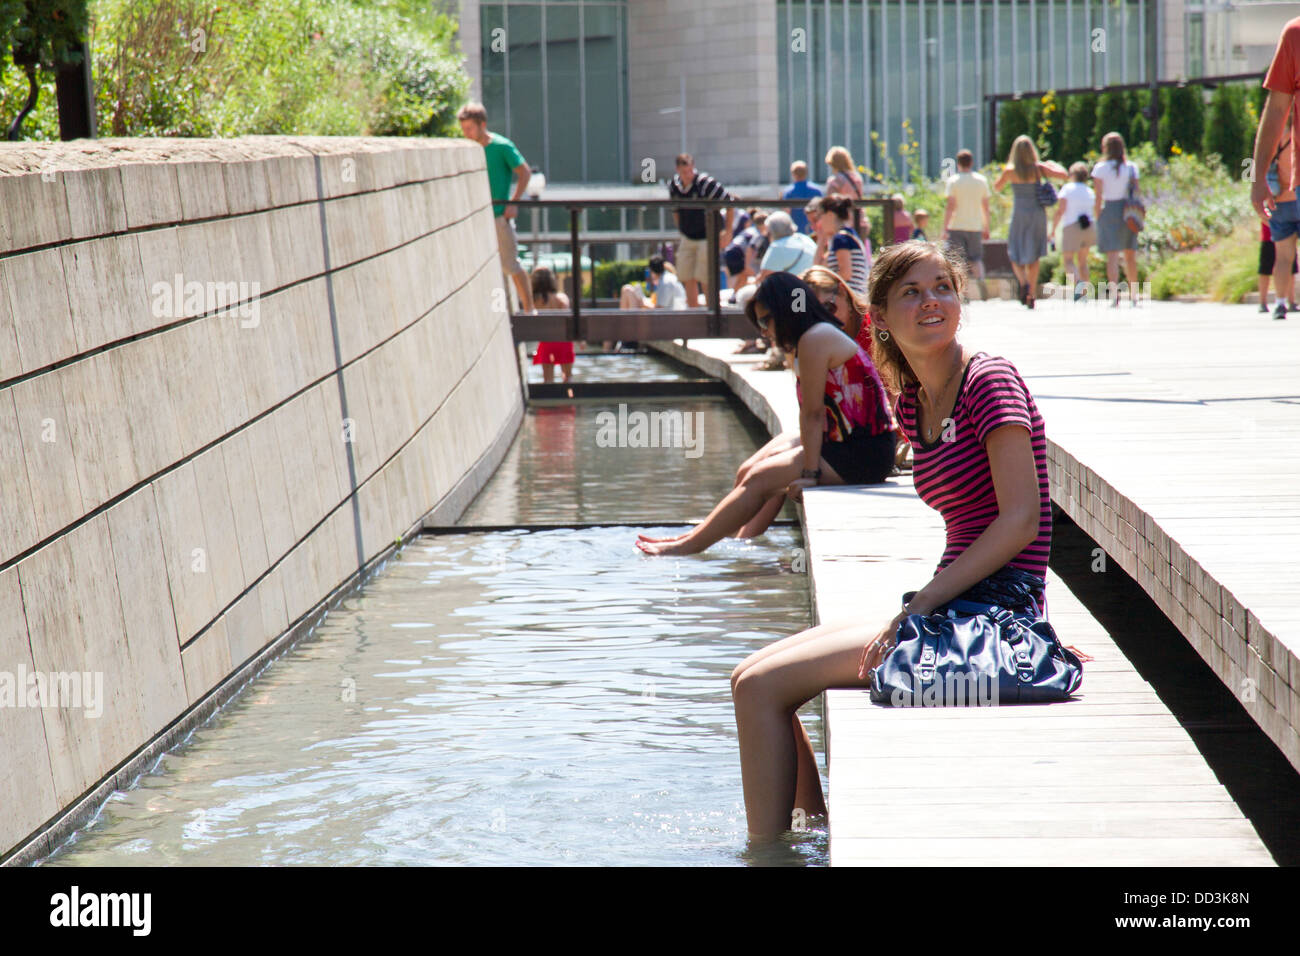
pixel 988 647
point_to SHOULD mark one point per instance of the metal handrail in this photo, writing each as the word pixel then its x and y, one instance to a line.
pixel 712 290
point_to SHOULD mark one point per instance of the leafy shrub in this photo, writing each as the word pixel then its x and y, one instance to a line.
pixel 610 277
pixel 305 67
pixel 1184 274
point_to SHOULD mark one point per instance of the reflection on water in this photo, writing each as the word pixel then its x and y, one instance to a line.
pixel 543 697
pixel 618 367
pixel 562 469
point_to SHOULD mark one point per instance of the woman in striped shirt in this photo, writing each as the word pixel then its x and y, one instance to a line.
pixel 846 254
pixel 980 460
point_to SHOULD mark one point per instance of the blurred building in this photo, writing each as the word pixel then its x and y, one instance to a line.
pixel 603 91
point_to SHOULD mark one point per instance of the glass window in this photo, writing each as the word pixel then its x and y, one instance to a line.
pixel 604 101
pixel 559 88
pixel 524 71
pixel 1195 44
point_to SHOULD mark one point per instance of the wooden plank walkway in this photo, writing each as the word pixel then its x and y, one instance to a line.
pixel 1107 779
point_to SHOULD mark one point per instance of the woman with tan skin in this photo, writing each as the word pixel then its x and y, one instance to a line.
pixel 845 429
pixel 1027 235
pixel 851 310
pixel 997 458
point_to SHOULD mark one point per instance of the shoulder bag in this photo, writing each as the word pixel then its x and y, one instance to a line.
pixel 991 646
pixel 1135 211
pixel 1046 194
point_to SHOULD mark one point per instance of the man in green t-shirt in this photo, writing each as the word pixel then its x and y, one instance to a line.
pixel 504 162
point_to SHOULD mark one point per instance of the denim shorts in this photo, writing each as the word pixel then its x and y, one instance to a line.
pixel 1285 221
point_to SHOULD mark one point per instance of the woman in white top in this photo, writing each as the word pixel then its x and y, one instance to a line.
pixel 1111 178
pixel 1075 208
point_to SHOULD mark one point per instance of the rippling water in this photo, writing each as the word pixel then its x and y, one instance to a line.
pixel 543 697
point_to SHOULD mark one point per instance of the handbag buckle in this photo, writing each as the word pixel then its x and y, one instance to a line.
pixel 925 666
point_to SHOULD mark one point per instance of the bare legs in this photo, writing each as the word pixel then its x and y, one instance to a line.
pixel 631 297
pixel 1283 279
pixel 1130 273
pixel 768 512
pixel 524 289
pixel 548 372
pixel 1027 276
pixel 776 758
pixel 768 478
pixel 1076 269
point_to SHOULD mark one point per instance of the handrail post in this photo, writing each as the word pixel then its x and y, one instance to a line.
pixel 575 270
pixel 712 289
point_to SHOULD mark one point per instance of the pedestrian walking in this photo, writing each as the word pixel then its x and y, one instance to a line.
pixel 966 213
pixel 1027 235
pixel 1075 209
pixel 1115 182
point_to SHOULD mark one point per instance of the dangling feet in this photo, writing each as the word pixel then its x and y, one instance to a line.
pixel 683 545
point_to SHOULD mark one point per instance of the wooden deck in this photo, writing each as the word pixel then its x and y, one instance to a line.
pixel 1174 466
pixel 1109 778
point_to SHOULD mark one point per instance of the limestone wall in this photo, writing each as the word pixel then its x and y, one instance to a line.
pixel 181 481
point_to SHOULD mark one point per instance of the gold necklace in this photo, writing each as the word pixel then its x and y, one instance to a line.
pixel 943 394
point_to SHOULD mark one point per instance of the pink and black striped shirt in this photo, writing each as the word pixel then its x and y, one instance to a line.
pixel 952 474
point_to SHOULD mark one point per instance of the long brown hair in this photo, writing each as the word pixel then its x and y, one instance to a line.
pixel 543 282
pixel 886 271
pixel 826 281
pixel 1112 144
pixel 1024 158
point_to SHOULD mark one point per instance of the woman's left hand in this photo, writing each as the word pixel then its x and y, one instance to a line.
pixel 794 490
pixel 876 649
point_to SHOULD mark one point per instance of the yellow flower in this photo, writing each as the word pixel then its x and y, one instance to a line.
pixel 1175 150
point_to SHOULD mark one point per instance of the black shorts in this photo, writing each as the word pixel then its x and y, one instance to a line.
pixel 1268 257
pixel 863 459
pixel 733 257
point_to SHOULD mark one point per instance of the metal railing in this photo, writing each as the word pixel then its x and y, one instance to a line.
pixel 595 325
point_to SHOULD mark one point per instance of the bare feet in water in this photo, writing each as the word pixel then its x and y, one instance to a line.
pixel 681 545
pixel 650 540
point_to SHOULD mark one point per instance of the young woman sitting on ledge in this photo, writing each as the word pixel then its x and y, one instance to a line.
pixel 851 310
pixel 845 430
pixel 981 461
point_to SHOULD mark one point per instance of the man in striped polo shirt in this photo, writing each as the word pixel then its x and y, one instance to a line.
pixel 693 250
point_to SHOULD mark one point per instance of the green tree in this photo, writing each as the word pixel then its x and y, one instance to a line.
pixel 1080 119
pixel 1112 115
pixel 1182 119
pixel 1014 119
pixel 1225 127
pixel 39 36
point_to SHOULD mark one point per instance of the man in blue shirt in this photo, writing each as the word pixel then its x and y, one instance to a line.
pixel 800 189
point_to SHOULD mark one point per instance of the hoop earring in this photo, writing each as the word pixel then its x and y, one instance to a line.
pixel 883 335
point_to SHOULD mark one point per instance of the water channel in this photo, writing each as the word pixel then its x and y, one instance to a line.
pixel 540 695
